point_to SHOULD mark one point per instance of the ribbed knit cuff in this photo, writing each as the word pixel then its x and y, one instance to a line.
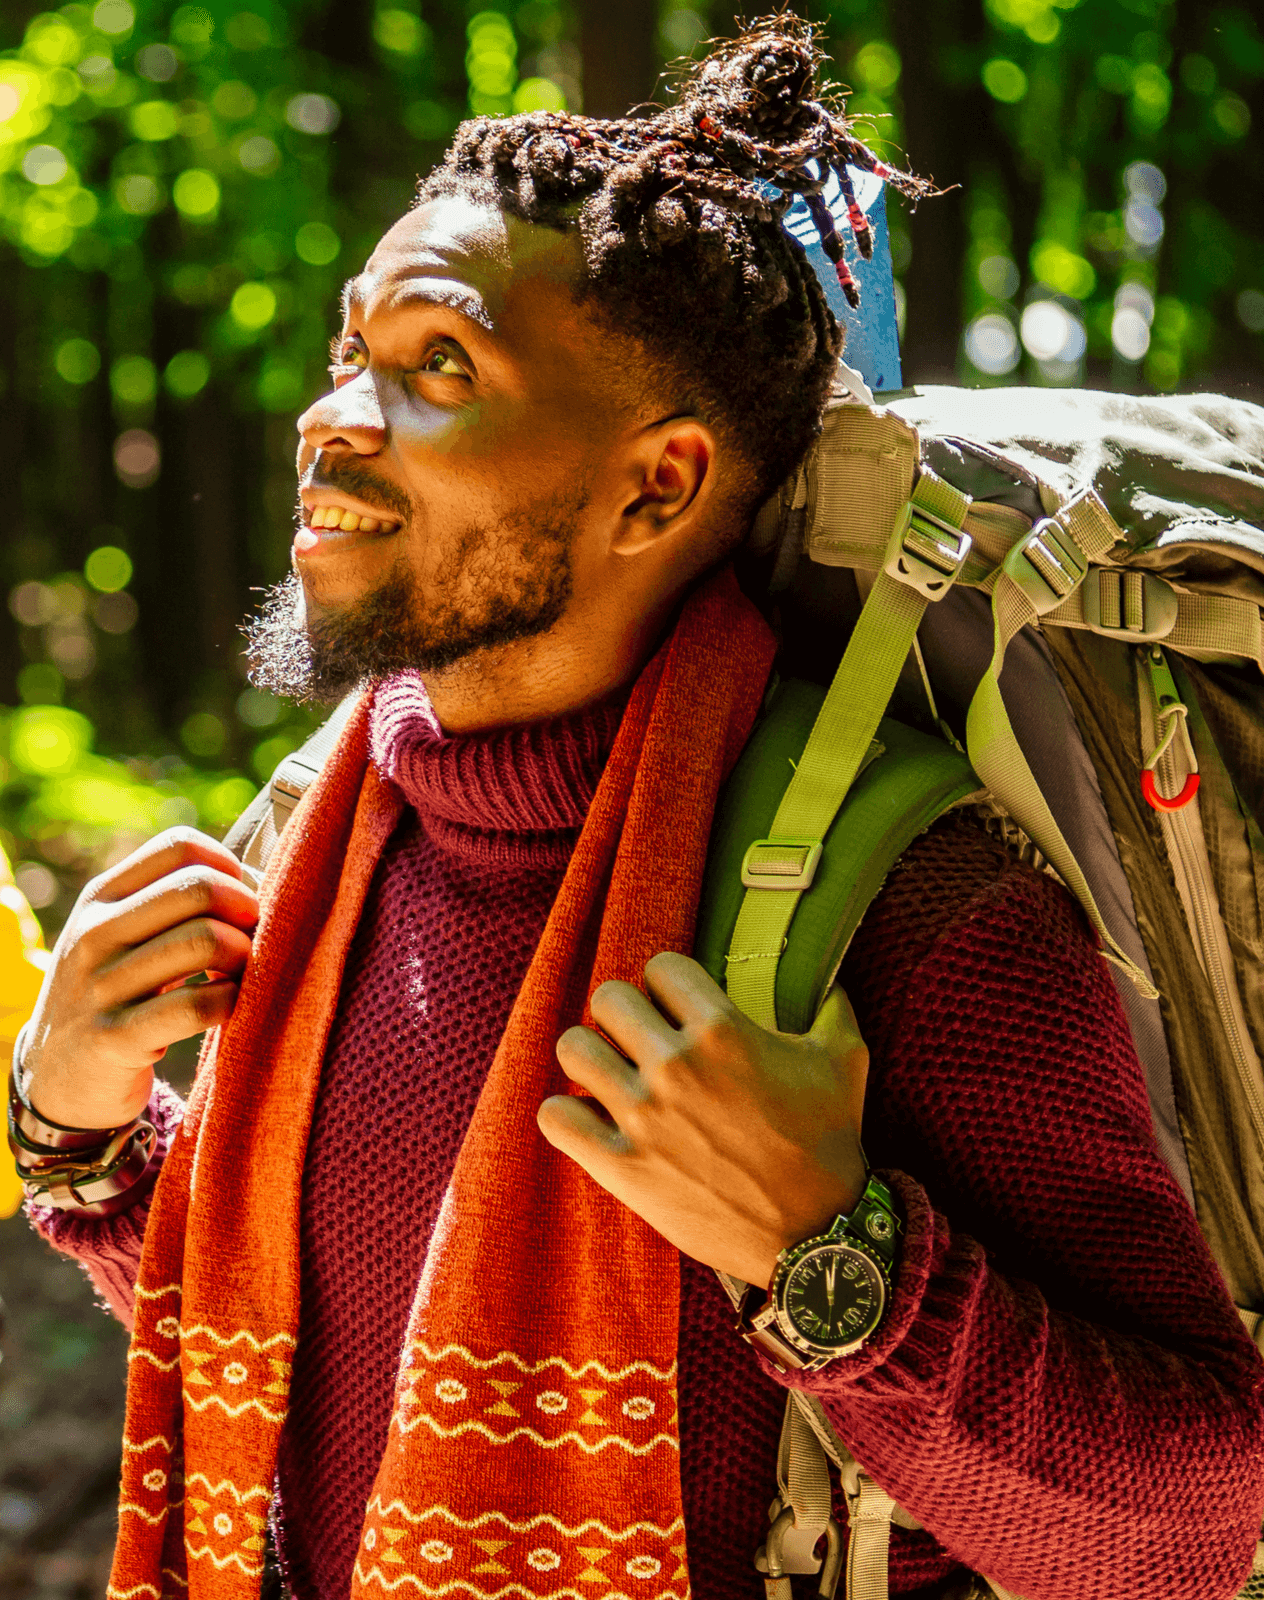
pixel 108 1248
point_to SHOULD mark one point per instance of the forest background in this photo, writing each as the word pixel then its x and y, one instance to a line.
pixel 183 190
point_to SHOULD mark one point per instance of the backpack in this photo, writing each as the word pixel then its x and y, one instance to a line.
pixel 1052 605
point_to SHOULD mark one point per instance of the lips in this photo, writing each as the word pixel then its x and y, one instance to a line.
pixel 334 522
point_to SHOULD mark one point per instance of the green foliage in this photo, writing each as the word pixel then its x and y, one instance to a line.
pixel 65 805
pixel 183 189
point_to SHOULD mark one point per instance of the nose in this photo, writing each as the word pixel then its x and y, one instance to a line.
pixel 346 419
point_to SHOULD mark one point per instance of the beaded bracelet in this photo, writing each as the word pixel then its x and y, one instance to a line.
pixel 93 1171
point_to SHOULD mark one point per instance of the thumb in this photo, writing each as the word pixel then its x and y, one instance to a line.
pixel 836 1027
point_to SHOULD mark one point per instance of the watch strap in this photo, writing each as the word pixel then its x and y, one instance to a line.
pixel 757 1324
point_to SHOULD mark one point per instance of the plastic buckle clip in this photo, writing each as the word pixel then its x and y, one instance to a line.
pixel 926 552
pixel 781 864
pixel 1135 606
pixel 1047 565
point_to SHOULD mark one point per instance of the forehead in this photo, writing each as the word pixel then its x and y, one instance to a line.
pixel 471 256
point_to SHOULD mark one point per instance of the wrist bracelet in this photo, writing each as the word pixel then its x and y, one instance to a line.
pixel 95 1171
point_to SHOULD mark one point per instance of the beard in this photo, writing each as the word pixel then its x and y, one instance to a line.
pixel 501 583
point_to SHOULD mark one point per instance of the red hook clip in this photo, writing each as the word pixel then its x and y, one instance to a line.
pixel 1175 714
pixel 1161 802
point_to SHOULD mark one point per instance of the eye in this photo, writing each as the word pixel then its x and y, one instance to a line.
pixel 441 362
pixel 347 358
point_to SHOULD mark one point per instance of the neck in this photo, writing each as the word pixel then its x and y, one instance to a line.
pixel 593 651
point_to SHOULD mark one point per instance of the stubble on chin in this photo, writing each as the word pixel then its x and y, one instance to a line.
pixel 497 585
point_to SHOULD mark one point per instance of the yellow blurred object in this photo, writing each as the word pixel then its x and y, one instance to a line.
pixel 23 961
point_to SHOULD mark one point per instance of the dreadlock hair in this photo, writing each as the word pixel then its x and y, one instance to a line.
pixel 680 217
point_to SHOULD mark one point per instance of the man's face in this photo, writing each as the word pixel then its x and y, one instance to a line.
pixel 443 481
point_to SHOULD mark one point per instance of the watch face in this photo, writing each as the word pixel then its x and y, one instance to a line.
pixel 833 1296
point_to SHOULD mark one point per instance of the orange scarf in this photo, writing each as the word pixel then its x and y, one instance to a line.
pixel 533 1448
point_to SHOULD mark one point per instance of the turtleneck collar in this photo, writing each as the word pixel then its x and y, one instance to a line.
pixel 516 796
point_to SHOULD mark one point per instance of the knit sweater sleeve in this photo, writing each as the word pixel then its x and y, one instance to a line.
pixel 1062 1394
pixel 108 1248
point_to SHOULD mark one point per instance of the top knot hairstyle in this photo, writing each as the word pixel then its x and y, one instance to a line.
pixel 680 216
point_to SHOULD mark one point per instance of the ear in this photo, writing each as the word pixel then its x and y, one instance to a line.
pixel 670 472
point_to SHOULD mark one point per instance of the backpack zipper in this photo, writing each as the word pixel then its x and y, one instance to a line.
pixel 1191 867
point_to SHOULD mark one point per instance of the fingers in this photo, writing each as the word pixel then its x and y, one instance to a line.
pixel 636 1027
pixel 201 945
pixel 590 1062
pixel 836 1026
pixel 686 990
pixel 573 1126
pixel 147 1029
pixel 161 856
pixel 182 896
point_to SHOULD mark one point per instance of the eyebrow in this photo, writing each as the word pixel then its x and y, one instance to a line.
pixel 428 291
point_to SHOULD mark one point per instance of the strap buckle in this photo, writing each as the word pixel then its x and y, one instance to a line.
pixel 781 864
pixel 1047 565
pixel 1135 605
pixel 926 552
pixel 782 1553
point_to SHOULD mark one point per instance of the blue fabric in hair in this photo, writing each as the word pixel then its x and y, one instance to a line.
pixel 873 340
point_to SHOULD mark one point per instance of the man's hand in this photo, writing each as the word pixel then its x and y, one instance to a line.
pixel 731 1141
pixel 115 994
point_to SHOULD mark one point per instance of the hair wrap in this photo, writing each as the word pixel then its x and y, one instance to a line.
pixel 680 215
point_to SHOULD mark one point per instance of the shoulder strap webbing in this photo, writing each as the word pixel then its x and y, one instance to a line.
pixel 1035 578
pixel 927 551
pixel 252 838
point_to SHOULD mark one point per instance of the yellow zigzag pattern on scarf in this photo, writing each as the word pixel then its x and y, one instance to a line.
pixel 541 1519
pixel 139 1353
pixel 233 1411
pixel 139 1511
pixel 201 1327
pixel 473 1426
pixel 218 1488
pixel 196 1552
pixel 435 1591
pixel 145 1588
pixel 156 1294
pixel 664 1374
pixel 158 1438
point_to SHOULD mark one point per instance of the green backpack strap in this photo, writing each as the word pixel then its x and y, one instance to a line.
pixel 905 780
pixel 898 783
pixel 927 551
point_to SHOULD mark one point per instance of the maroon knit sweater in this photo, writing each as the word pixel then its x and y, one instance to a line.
pixel 1062 1391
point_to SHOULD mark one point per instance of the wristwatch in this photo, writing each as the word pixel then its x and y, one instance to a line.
pixel 828 1293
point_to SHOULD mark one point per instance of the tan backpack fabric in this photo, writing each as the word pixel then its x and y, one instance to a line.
pixel 1132 656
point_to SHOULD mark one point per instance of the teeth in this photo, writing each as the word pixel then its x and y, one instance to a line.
pixel 349 521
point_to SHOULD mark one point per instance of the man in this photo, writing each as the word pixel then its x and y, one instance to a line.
pixel 564 383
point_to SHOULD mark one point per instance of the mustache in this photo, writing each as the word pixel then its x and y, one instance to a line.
pixel 355 478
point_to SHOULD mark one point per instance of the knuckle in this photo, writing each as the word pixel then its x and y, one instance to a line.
pixel 206 1003
pixel 186 843
pixel 195 889
pixel 88 895
pixel 673 1072
pixel 723 1035
pixel 202 940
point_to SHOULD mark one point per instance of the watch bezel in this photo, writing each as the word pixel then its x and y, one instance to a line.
pixel 789 1265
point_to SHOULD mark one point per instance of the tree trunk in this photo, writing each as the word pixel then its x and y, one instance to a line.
pixel 621 62
pixel 941 124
